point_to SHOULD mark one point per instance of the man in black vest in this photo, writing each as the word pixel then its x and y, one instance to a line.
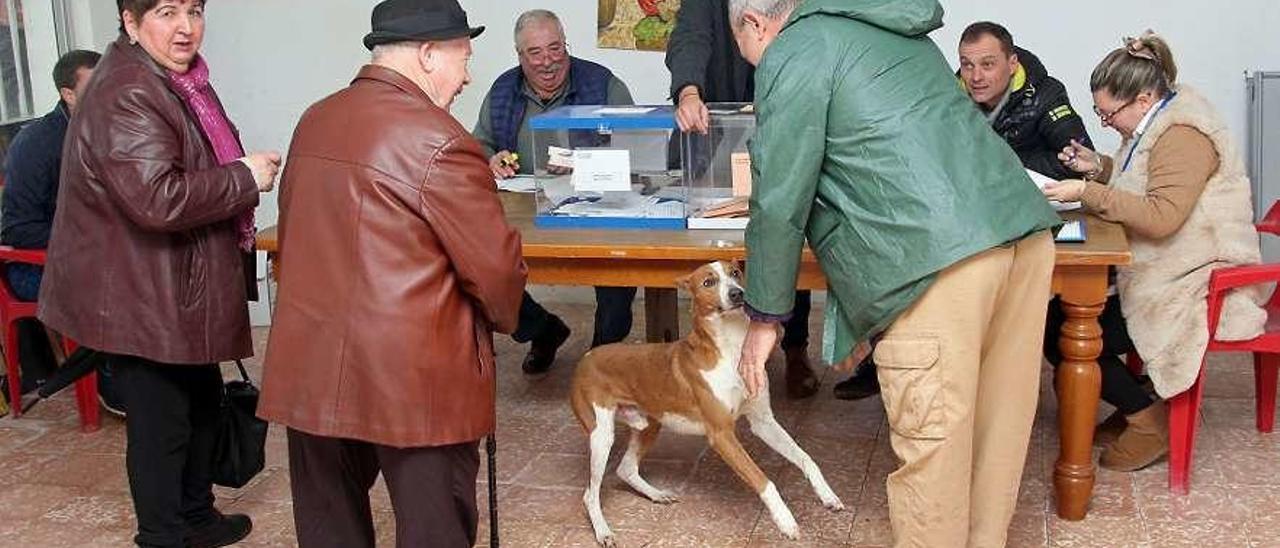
pixel 706 67
pixel 548 77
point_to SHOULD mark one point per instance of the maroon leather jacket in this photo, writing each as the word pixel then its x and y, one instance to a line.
pixel 143 258
pixel 396 264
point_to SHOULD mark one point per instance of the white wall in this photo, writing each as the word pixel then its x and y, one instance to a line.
pixel 642 71
pixel 1213 44
pixel 268 77
pixel 42 54
pixel 271 59
pixel 93 23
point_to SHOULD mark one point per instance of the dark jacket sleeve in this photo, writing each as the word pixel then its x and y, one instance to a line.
pixel 141 167
pixel 461 204
pixel 31 180
pixel 689 46
pixel 1058 124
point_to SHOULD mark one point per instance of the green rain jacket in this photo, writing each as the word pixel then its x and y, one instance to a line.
pixel 866 146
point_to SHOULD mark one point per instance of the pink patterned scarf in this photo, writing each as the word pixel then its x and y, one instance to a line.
pixel 194 89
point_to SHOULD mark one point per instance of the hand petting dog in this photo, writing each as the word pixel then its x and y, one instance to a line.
pixel 761 338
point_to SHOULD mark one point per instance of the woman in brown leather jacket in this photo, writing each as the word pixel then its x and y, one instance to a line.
pixel 146 258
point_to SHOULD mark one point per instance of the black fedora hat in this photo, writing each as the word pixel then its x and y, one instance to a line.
pixel 418 20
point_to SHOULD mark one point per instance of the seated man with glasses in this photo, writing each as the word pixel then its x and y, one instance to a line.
pixel 548 77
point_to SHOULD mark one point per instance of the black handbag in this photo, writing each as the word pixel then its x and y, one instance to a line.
pixel 242 437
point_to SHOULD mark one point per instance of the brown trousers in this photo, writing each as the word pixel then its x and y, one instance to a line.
pixel 960 372
pixel 433 492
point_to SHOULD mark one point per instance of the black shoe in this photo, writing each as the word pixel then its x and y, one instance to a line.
pixel 863 383
pixel 801 382
pixel 542 352
pixel 224 531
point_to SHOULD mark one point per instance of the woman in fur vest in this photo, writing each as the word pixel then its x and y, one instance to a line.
pixel 1178 185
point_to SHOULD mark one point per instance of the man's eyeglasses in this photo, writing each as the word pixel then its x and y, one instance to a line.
pixel 555 50
pixel 1106 117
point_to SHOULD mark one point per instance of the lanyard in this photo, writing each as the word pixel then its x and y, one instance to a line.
pixel 1129 158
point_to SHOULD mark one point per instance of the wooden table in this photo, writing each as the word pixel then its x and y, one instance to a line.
pixel 655 259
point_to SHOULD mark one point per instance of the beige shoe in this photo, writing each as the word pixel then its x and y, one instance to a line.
pixel 1143 442
pixel 1109 430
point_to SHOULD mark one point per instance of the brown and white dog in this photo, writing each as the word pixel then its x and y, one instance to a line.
pixel 690 386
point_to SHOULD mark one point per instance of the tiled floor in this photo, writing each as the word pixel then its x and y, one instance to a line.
pixel 64 488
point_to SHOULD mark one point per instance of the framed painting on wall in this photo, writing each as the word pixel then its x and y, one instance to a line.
pixel 635 24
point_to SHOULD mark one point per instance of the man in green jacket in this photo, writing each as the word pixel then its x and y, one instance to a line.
pixel 931 237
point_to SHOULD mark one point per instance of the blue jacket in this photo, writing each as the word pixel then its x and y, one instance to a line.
pixel 588 85
pixel 31 181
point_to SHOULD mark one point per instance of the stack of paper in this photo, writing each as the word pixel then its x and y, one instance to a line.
pixel 1073 231
pixel 1041 181
pixel 737 207
pixel 631 206
pixel 519 183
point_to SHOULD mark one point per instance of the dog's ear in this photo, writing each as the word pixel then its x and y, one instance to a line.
pixel 684 282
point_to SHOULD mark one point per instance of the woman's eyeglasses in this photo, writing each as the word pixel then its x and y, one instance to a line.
pixel 1106 117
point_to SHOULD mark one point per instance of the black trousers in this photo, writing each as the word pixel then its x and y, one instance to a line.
pixel 795 331
pixel 1120 387
pixel 613 316
pixel 433 492
pixel 613 319
pixel 35 354
pixel 172 428
pixel 533 319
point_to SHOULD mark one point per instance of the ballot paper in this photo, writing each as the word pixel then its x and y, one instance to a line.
pixel 626 206
pixel 602 170
pixel 740 170
pixel 560 157
pixel 519 183
pixel 1041 181
pixel 623 111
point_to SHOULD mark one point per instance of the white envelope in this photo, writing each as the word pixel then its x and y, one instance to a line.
pixel 602 170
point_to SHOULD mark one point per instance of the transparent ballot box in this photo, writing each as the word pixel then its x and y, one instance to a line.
pixel 717 169
pixel 608 167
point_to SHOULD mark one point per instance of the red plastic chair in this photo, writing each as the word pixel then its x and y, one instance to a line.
pixel 12 310
pixel 1184 408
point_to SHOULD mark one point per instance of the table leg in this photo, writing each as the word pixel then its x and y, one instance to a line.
pixel 661 314
pixel 273 269
pixel 1078 384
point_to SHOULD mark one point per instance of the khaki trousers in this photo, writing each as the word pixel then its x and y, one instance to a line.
pixel 960 372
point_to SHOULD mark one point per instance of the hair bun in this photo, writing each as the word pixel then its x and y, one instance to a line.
pixel 1152 47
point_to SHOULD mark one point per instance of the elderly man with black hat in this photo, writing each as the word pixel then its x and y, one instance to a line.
pixel 397 267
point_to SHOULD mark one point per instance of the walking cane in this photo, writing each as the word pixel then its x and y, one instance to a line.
pixel 491 447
